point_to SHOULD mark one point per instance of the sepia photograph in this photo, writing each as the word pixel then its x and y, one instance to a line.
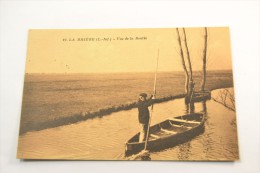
pixel 129 94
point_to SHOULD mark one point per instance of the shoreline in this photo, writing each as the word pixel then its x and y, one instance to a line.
pixel 82 116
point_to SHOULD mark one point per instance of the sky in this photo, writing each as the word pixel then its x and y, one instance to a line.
pixel 124 50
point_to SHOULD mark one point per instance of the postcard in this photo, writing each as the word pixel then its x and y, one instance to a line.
pixel 129 94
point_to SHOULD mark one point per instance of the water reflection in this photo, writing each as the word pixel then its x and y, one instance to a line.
pixel 207 138
pixel 190 108
pixel 184 151
pixel 146 157
pixel 204 107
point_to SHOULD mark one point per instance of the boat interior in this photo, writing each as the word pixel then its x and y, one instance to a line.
pixel 172 126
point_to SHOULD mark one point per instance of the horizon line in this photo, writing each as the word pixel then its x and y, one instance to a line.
pixel 121 72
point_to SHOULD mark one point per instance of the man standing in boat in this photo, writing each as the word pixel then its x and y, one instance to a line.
pixel 144 114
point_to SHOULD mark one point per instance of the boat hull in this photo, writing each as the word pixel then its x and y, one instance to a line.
pixel 183 136
pixel 199 96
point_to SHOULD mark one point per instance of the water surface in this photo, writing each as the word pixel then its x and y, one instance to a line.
pixel 104 138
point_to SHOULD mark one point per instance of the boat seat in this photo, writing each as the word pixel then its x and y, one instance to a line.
pixel 184 121
pixel 168 131
pixel 154 136
pixel 174 125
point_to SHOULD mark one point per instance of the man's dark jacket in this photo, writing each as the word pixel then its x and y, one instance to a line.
pixel 143 111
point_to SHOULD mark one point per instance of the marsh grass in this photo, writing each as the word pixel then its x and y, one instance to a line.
pixel 59 99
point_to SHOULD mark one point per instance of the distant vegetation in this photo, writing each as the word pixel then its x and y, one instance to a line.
pixel 60 100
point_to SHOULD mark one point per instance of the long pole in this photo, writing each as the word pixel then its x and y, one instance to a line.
pixel 154 92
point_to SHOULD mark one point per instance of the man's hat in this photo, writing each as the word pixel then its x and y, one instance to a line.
pixel 143 94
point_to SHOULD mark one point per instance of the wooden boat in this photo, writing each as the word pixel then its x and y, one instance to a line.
pixel 199 96
pixel 168 133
